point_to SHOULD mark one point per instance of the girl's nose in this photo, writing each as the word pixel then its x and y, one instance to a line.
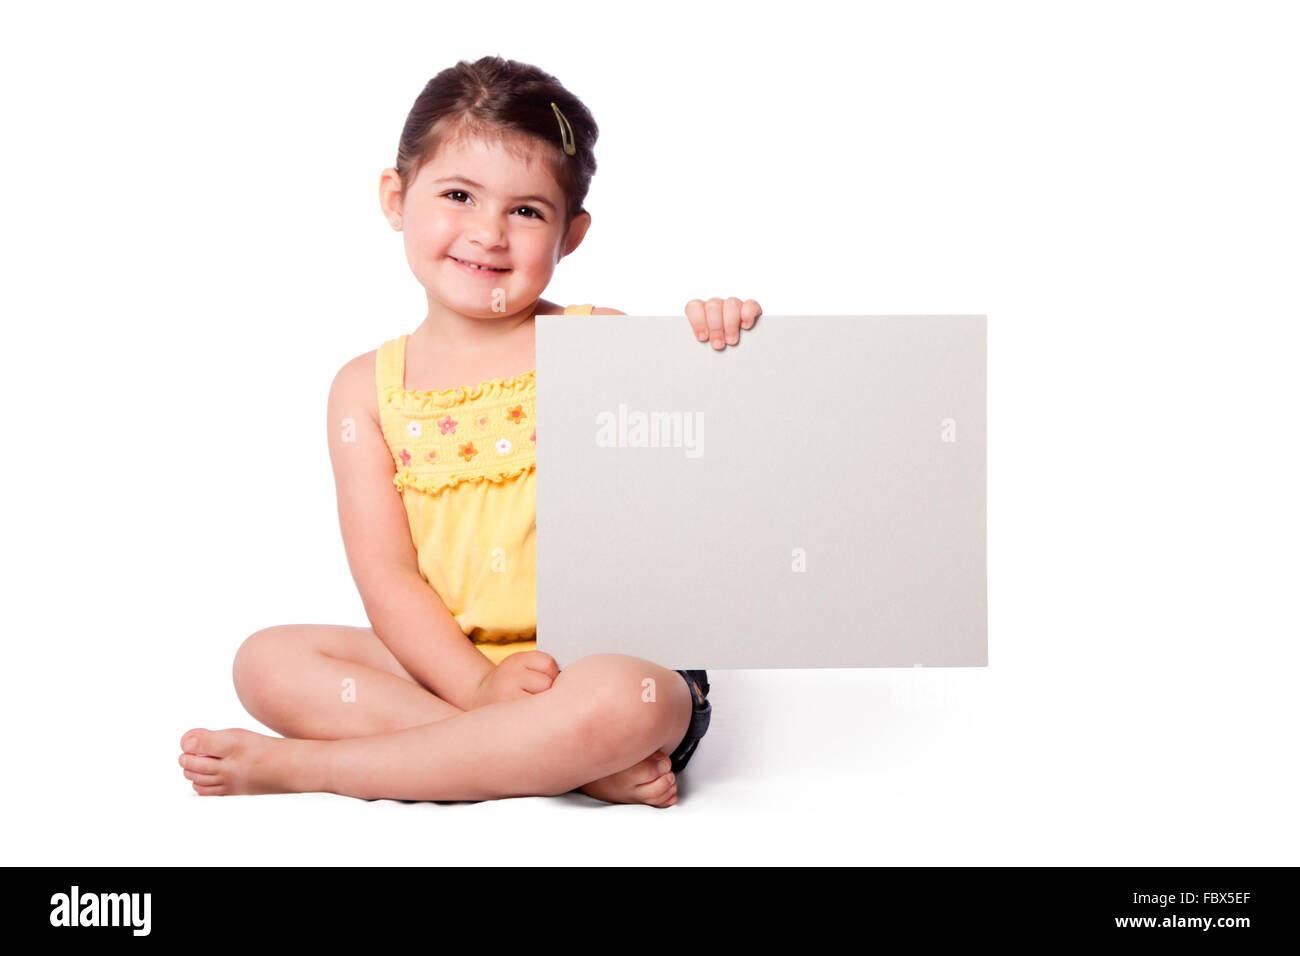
pixel 486 230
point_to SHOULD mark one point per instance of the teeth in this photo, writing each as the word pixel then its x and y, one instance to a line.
pixel 483 268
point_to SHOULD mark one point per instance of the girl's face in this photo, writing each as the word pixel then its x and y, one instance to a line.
pixel 476 202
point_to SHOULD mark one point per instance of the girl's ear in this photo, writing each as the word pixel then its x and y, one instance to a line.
pixel 390 193
pixel 577 229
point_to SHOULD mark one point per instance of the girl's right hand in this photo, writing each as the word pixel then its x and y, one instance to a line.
pixel 518 676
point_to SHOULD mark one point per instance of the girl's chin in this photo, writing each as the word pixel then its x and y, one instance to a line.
pixel 487 301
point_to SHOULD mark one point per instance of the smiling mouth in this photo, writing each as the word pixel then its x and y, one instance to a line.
pixel 477 266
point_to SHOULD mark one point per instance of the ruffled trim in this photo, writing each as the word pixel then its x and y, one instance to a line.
pixel 505 639
pixel 432 399
pixel 436 482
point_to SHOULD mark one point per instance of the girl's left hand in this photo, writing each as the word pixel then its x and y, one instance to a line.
pixel 719 319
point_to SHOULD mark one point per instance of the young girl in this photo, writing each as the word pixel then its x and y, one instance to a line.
pixel 445 696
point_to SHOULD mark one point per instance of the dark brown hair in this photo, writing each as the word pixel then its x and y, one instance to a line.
pixel 502 100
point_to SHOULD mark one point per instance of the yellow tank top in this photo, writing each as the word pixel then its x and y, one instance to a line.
pixel 466 469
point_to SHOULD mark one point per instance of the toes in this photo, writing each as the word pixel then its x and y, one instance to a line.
pixel 203 791
pixel 653 767
pixel 669 800
pixel 200 764
pixel 207 779
pixel 216 743
pixel 193 740
pixel 657 789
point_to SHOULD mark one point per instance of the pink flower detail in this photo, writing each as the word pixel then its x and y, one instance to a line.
pixel 533 437
pixel 433 454
pixel 447 424
pixel 406 457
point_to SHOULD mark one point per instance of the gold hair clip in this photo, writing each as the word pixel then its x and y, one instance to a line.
pixel 566 131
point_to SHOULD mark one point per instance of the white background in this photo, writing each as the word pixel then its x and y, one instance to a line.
pixel 193 246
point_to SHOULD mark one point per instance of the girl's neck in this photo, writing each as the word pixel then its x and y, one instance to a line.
pixel 447 333
pixel 444 353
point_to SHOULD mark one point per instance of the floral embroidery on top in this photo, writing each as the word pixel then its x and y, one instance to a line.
pixel 443 437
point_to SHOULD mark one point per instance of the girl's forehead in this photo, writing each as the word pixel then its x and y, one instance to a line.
pixel 506 150
pixel 512 162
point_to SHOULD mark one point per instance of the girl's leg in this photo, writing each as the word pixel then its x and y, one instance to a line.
pixel 325 681
pixel 596 719
pixel 291 678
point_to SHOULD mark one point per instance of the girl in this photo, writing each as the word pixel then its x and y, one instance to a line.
pixel 445 696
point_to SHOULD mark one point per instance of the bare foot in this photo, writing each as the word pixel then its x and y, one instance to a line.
pixel 649 781
pixel 225 762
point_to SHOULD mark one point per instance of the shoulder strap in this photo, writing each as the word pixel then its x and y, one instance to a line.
pixel 579 309
pixel 390 366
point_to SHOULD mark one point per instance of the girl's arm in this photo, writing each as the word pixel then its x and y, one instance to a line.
pixel 406 614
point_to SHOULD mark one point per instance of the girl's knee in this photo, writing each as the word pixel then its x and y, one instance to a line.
pixel 628 698
pixel 257 658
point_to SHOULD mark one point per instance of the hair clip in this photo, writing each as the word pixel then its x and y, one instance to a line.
pixel 566 131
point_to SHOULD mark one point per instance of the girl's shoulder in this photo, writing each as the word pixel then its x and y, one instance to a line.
pixel 354 386
pixel 553 308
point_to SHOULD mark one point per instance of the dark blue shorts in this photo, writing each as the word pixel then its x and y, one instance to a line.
pixel 698 682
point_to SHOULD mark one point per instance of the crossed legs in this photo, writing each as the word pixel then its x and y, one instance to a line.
pixel 391 738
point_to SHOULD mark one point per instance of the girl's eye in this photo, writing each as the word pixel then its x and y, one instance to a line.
pixel 460 192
